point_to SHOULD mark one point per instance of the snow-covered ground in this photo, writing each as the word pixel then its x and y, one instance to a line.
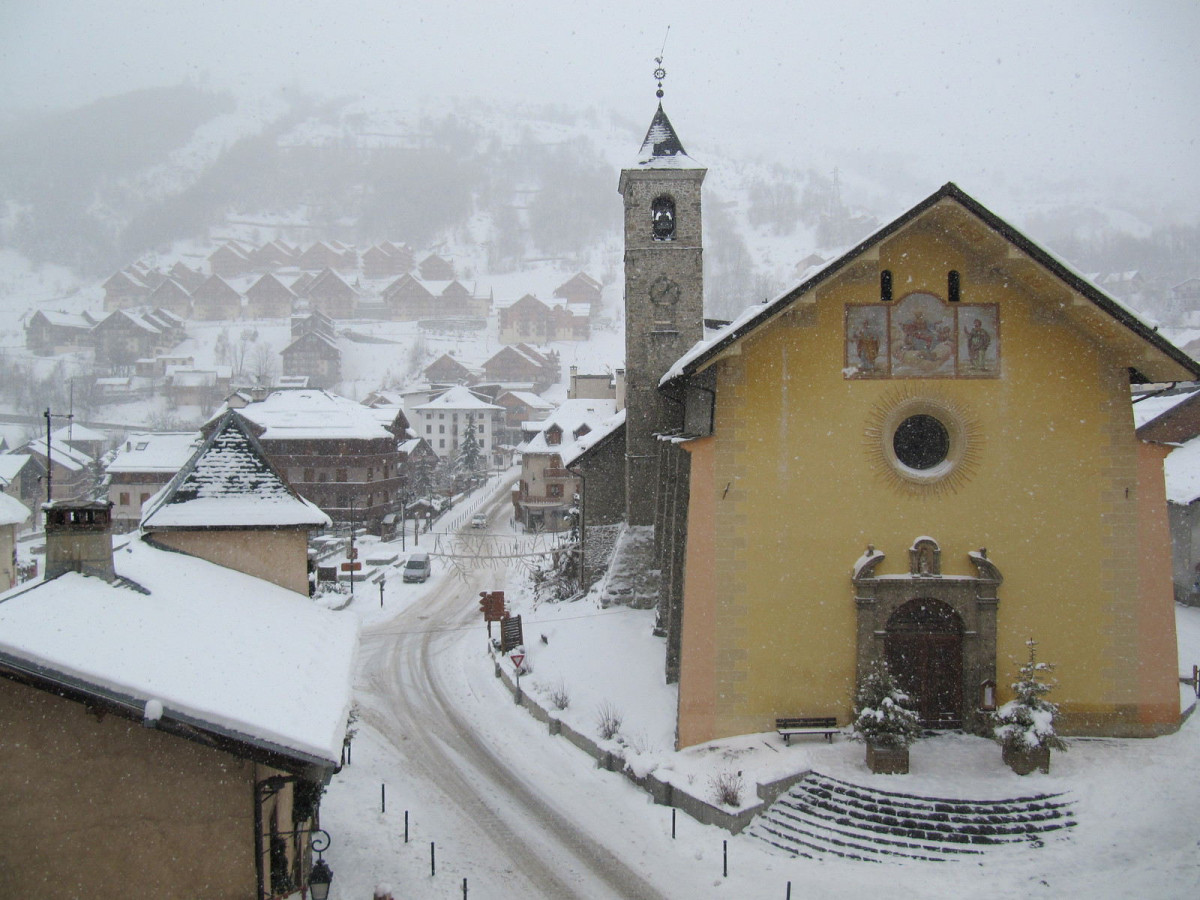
pixel 1137 802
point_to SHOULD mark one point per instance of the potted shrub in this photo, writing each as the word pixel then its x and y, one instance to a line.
pixel 885 721
pixel 1024 726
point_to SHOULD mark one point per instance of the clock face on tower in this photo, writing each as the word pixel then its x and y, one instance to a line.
pixel 664 292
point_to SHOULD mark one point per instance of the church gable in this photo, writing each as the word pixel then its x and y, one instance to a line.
pixel 946 258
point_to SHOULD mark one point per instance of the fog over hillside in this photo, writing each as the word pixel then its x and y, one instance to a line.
pixel 147 172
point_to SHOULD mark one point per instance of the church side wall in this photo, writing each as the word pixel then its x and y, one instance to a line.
pixel 108 809
pixel 700 623
pixel 1052 492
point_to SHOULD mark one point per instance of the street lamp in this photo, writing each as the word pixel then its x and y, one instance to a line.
pixel 321 876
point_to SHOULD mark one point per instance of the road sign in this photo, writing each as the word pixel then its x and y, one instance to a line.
pixel 354 553
pixel 511 633
pixel 351 566
pixel 518 660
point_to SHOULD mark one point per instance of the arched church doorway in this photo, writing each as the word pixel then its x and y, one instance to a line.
pixel 923 645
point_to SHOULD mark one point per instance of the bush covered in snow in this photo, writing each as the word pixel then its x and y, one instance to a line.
pixel 1027 721
pixel 883 714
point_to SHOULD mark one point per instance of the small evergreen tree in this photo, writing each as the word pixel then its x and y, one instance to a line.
pixel 1027 721
pixel 883 713
pixel 469 458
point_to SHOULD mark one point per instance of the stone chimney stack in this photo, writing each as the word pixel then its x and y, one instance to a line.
pixel 79 538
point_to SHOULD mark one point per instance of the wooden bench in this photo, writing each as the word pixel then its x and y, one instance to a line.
pixel 826 725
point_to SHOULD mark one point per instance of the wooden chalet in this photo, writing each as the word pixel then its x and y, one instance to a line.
pixel 215 300
pixel 125 336
pixel 386 260
pixel 269 298
pixel 448 370
pixel 315 356
pixel 322 255
pixel 273 255
pixel 230 260
pixel 580 288
pixel 329 294
pixel 435 268
pixel 51 332
pixel 523 364
pixel 188 278
pixel 123 289
pixel 173 296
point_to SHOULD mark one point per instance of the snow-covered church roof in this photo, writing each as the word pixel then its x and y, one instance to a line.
pixel 662 148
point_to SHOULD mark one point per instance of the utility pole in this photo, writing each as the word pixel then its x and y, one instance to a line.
pixel 353 558
pixel 49 462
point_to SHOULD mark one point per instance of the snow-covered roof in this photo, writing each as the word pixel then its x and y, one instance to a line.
pixel 530 399
pixel 1149 408
pixel 1182 472
pixel 66 320
pixel 458 398
pixel 148 451
pixel 12 510
pixel 62 453
pixel 78 433
pixel 228 483
pixel 227 651
pixel 570 417
pixel 586 442
pixel 312 414
pixel 11 465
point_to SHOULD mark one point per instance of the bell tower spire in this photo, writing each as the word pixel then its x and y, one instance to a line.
pixel 664 293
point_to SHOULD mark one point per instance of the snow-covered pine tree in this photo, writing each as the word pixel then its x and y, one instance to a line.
pixel 469 459
pixel 883 713
pixel 1027 722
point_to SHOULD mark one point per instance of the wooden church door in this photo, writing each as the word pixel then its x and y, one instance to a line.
pixel 923 647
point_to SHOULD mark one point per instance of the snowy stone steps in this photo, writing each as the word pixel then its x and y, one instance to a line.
pixel 825 816
pixel 984 829
pixel 844 837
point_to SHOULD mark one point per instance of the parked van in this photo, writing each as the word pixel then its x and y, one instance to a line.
pixel 417 568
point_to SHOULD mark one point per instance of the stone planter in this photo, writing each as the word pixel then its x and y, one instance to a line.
pixel 1024 761
pixel 887 760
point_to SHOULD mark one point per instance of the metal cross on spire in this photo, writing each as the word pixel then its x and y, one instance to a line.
pixel 659 72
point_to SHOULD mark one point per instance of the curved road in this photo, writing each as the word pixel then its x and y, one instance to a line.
pixel 409 671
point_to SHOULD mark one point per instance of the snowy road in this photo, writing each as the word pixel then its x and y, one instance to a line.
pixel 503 808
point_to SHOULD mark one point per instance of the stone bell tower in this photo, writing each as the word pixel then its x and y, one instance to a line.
pixel 664 297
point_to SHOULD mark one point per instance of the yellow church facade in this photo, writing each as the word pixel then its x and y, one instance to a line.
pixel 924 453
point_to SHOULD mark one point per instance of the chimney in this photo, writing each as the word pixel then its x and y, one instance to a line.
pixel 571 390
pixel 79 538
pixel 620 389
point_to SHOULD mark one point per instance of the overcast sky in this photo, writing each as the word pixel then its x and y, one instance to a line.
pixel 1054 91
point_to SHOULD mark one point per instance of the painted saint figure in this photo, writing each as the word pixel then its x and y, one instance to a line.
pixel 978 341
pixel 866 345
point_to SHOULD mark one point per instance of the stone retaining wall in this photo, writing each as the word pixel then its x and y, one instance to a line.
pixel 663 793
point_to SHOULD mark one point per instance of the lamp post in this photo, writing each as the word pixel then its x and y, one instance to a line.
pixel 321 876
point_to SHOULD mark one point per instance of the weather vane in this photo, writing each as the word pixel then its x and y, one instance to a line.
pixel 659 72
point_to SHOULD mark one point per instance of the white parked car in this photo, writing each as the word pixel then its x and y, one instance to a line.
pixel 479 520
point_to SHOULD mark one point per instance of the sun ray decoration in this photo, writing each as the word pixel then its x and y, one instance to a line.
pixel 966 442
